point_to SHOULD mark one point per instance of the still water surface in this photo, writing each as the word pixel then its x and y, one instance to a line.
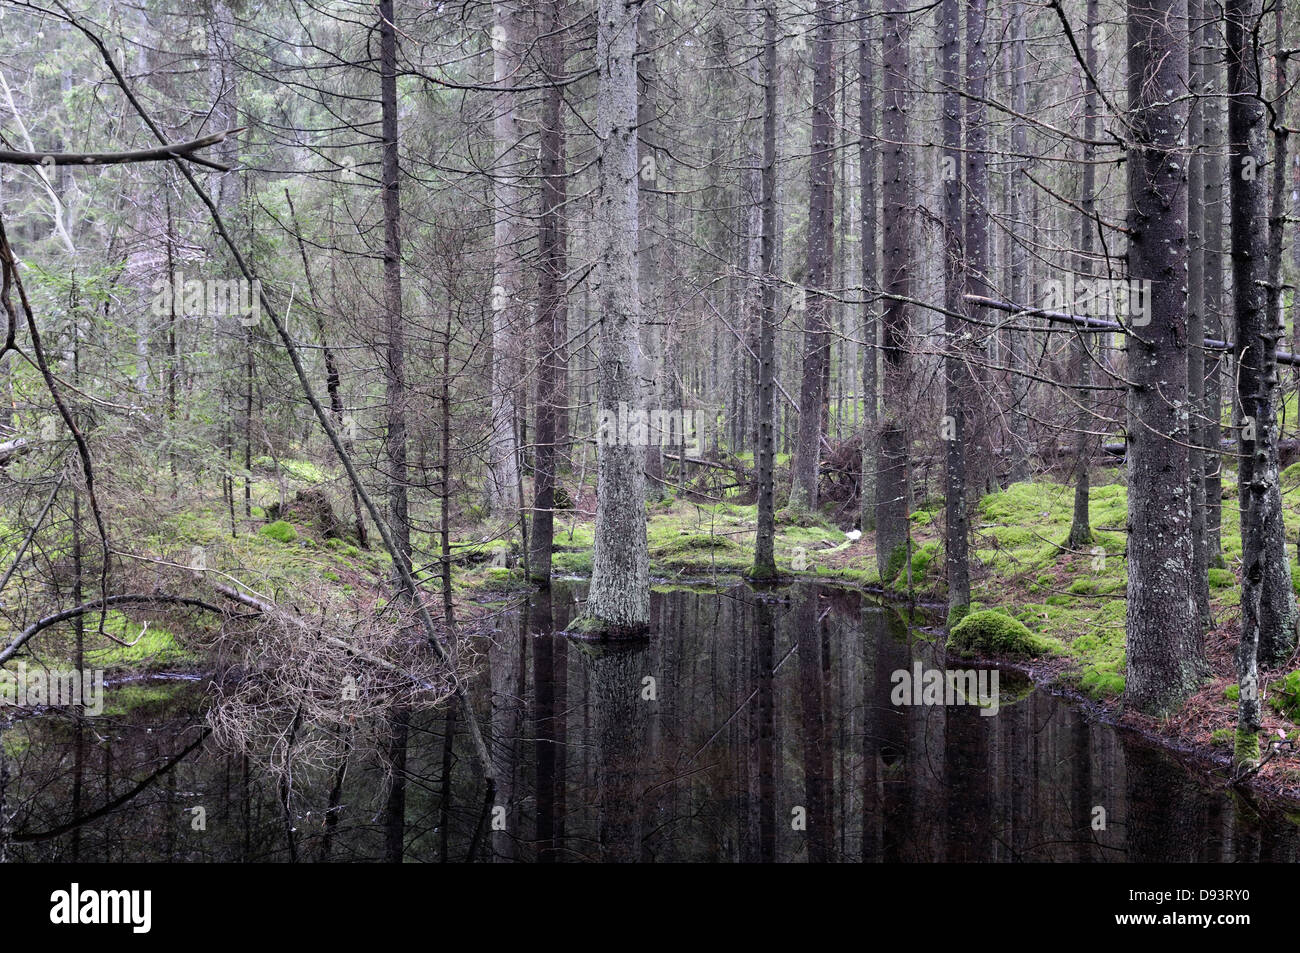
pixel 750 727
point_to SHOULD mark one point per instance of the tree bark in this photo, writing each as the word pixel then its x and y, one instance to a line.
pixel 1165 658
pixel 805 467
pixel 1212 119
pixel 552 311
pixel 395 370
pixel 1267 602
pixel 1196 317
pixel 1018 425
pixel 953 429
pixel 1277 637
pixel 976 447
pixel 764 556
pixel 868 150
pixel 507 268
pixel 619 599
pixel 1084 443
pixel 892 539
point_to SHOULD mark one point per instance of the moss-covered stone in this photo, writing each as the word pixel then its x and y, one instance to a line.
pixel 989 632
pixel 280 531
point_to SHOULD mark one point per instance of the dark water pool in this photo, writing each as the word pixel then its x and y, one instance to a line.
pixel 750 727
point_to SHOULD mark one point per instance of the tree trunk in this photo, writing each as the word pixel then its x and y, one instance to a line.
pixel 952 429
pixel 1267 601
pixel 868 149
pixel 764 557
pixel 977 449
pixel 1018 425
pixel 395 398
pixel 508 40
pixel 892 539
pixel 805 467
pixel 395 371
pixel 1277 636
pixel 1084 444
pixel 650 176
pixel 1196 318
pixel 1212 119
pixel 619 598
pixel 1165 659
pixel 552 298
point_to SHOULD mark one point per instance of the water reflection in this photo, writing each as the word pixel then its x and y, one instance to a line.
pixel 751 727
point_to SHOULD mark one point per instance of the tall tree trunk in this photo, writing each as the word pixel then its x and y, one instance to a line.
pixel 1165 659
pixel 953 429
pixel 395 371
pixel 1267 602
pixel 1196 316
pixel 619 598
pixel 1212 120
pixel 892 539
pixel 868 150
pixel 552 319
pixel 764 558
pixel 508 42
pixel 649 179
pixel 977 253
pixel 805 467
pixel 1018 424
pixel 1084 444
pixel 1254 418
pixel 395 394
pixel 1277 636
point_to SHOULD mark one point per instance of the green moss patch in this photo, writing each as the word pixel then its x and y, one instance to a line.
pixel 990 632
pixel 1285 695
pixel 280 531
